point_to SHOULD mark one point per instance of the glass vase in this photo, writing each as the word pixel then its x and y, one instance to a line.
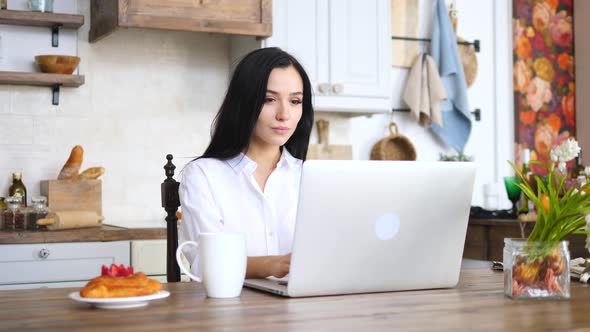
pixel 536 270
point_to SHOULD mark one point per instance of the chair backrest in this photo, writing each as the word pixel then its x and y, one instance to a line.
pixel 170 203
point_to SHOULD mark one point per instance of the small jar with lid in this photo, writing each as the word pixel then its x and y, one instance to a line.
pixel 38 211
pixel 14 217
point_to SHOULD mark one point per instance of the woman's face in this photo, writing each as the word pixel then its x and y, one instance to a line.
pixel 282 109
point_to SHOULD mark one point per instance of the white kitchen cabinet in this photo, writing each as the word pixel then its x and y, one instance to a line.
pixel 149 257
pixel 344 45
pixel 58 264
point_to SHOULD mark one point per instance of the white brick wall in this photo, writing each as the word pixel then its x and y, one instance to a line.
pixel 152 92
pixel 147 93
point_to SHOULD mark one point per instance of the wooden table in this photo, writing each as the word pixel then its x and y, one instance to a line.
pixel 477 303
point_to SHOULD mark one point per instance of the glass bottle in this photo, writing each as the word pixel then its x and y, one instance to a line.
pixel 526 172
pixel 18 189
pixel 49 6
pixel 37 5
pixel 578 168
pixel 14 217
pixel 39 211
pixel 2 209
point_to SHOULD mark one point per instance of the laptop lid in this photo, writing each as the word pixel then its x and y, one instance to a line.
pixel 374 226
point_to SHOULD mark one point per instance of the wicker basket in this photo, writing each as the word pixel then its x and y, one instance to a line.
pixel 394 147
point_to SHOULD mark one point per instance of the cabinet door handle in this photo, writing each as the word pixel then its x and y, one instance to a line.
pixel 44 253
pixel 323 87
pixel 337 88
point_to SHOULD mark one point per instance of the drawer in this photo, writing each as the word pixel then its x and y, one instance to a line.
pixel 59 262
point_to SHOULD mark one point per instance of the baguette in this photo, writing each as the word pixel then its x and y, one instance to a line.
pixel 92 173
pixel 71 168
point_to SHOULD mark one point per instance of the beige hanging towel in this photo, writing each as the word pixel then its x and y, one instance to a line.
pixel 425 91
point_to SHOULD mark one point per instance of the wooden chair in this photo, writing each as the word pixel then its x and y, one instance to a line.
pixel 170 203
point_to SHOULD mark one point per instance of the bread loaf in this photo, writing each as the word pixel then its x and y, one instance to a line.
pixel 109 287
pixel 72 167
pixel 92 173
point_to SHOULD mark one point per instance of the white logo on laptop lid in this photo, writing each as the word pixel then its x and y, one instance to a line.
pixel 387 226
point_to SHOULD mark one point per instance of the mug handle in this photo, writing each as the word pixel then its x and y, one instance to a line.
pixel 179 260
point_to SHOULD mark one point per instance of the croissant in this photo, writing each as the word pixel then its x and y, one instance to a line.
pixel 106 286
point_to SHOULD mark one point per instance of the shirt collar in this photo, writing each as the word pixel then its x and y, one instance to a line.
pixel 241 162
pixel 287 159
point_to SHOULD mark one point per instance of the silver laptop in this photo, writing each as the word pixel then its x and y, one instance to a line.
pixel 377 226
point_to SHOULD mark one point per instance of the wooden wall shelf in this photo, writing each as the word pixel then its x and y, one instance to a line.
pixel 55 81
pixel 40 79
pixel 37 19
pixel 21 17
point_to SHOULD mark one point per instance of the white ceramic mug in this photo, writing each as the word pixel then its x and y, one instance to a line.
pixel 222 263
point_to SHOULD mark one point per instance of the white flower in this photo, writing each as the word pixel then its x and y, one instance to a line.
pixel 565 152
pixel 562 167
pixel 587 171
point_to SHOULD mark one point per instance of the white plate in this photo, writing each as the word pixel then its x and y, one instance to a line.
pixel 120 302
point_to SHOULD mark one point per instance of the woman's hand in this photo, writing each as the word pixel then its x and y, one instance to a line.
pixel 280 266
pixel 265 266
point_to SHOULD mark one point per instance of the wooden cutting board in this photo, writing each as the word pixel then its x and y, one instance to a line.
pixel 326 151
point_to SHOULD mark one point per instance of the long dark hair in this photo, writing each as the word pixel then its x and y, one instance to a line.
pixel 246 93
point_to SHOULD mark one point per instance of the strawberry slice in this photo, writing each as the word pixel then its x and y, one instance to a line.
pixel 117 271
pixel 113 271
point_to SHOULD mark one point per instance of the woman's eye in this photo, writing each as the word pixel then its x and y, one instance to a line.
pixel 296 101
pixel 269 100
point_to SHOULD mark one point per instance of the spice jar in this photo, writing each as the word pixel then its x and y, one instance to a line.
pixel 14 218
pixel 38 211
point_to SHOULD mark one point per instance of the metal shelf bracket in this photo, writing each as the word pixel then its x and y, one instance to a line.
pixel 55 34
pixel 55 94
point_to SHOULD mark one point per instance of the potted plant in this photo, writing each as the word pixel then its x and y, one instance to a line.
pixel 538 267
pixel 458 157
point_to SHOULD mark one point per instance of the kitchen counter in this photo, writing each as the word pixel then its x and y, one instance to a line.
pixel 94 234
pixel 476 303
pixel 485 238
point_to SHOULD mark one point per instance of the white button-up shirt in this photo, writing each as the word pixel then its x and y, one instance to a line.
pixel 223 196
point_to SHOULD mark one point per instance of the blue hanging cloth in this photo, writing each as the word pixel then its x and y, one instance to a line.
pixel 455 110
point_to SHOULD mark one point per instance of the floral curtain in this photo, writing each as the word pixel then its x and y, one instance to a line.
pixel 544 106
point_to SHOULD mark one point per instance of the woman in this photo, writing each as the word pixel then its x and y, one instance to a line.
pixel 247 180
